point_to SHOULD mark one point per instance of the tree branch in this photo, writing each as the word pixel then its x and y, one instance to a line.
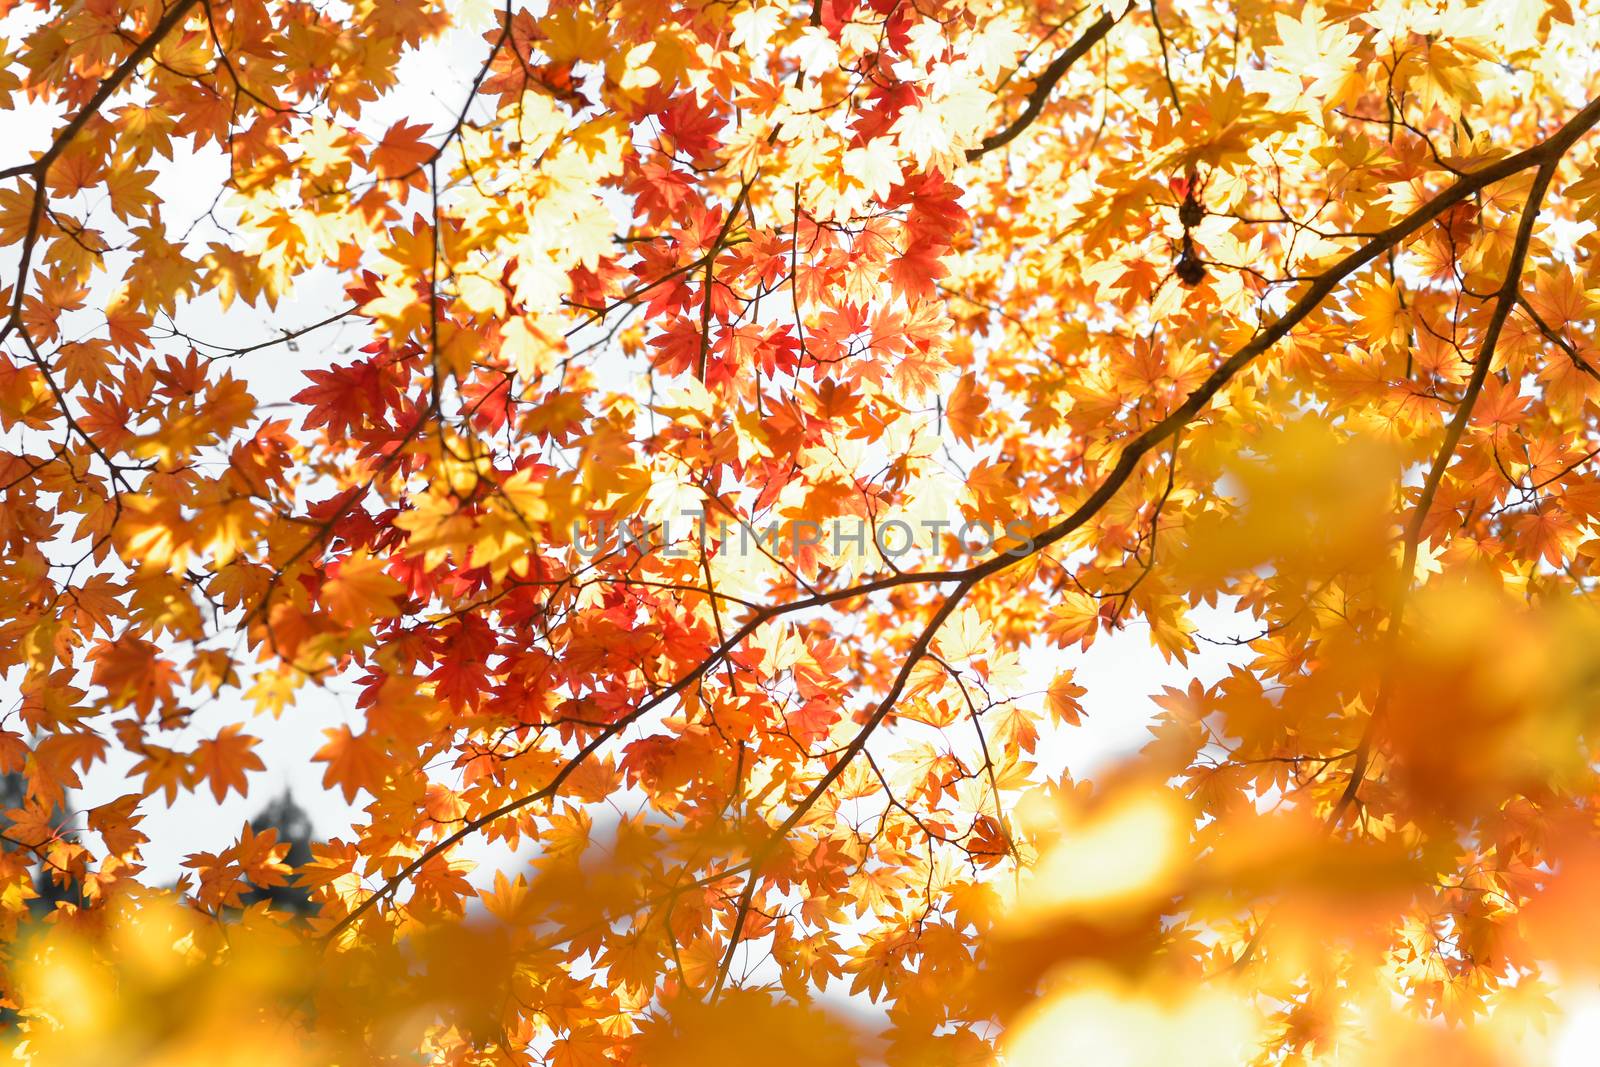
pixel 1046 82
pixel 39 169
pixel 1505 300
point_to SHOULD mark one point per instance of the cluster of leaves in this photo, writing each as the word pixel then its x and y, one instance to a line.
pixel 1230 304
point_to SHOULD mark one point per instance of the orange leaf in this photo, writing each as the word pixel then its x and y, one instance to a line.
pixel 225 760
pixel 354 762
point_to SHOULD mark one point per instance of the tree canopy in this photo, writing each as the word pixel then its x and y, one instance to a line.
pixel 708 446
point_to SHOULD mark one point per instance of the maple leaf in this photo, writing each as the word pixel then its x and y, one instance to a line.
pixel 965 408
pixel 359 591
pixel 1379 312
pixel 224 759
pixel 355 762
pixel 1062 699
pixel 1074 620
pixel 132 671
pixel 115 822
pixel 917 273
pixel 342 398
pixel 13 752
pixel 402 152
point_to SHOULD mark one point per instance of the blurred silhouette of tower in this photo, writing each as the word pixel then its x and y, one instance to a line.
pixel 294 828
pixel 13 793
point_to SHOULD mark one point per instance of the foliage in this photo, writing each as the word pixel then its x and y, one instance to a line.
pixel 1122 312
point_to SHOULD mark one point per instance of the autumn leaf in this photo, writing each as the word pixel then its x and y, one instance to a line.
pixel 225 759
pixel 359 592
pixel 965 410
pixel 354 762
pixel 1062 698
pixel 402 151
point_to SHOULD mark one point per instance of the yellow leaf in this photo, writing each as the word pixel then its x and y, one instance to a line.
pixel 360 592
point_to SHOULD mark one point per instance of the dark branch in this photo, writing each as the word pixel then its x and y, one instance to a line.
pixel 1046 82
